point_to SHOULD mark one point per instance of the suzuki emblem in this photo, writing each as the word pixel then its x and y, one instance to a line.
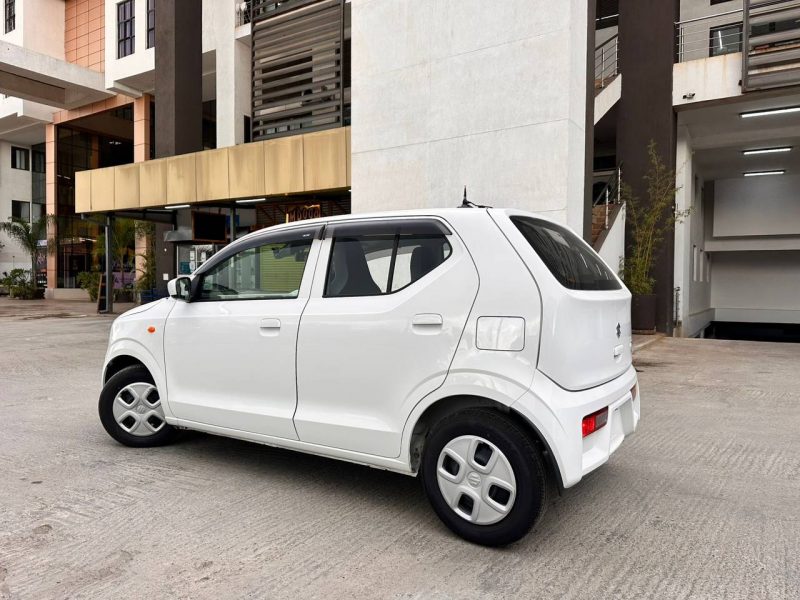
pixel 619 330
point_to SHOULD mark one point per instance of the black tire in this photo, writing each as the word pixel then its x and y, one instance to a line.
pixel 524 458
pixel 128 376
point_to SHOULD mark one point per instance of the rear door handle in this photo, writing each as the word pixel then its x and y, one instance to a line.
pixel 427 319
pixel 618 351
pixel 270 324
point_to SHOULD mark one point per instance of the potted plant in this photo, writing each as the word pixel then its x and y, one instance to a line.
pixel 27 235
pixel 648 222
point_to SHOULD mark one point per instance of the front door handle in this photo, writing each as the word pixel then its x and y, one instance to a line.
pixel 270 324
pixel 427 319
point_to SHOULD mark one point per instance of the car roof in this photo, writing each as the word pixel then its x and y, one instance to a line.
pixel 446 213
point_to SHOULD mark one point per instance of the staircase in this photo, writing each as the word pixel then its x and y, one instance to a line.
pixel 605 207
pixel 771 44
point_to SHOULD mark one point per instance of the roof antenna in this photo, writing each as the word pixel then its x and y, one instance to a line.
pixel 467 204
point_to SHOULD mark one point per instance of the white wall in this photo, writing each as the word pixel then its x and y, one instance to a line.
pixel 454 93
pixel 143 58
pixel 748 206
pixel 39 26
pixel 757 286
pixel 15 184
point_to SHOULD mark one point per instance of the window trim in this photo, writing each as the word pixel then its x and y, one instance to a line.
pixel 9 16
pixel 388 227
pixel 26 153
pixel 25 202
pixel 122 41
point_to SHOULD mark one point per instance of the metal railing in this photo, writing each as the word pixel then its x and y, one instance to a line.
pixel 606 63
pixel 610 195
pixel 243 13
pixel 712 35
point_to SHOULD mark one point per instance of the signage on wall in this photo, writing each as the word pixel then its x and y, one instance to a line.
pixel 301 212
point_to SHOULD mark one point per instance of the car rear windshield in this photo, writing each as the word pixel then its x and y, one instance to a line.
pixel 574 265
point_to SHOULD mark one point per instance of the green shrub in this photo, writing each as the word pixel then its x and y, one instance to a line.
pixel 90 281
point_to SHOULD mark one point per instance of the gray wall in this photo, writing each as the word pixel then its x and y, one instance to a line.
pixel 757 206
pixel 454 93
pixel 762 281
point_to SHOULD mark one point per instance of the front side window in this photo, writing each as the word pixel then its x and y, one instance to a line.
pixel 20 158
pixel 11 15
pixel 267 272
pixel 575 266
pixel 125 28
pixel 374 264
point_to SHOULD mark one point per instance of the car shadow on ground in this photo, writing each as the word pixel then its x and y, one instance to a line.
pixel 372 488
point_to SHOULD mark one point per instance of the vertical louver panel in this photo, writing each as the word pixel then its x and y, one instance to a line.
pixel 297 66
pixel 771 44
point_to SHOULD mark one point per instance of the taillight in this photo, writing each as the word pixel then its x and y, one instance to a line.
pixel 594 421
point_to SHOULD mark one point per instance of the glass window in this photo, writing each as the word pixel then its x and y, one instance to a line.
pixel 151 23
pixel 725 39
pixel 20 158
pixel 372 265
pixel 575 266
pixel 270 271
pixel 21 210
pixel 125 28
pixel 11 15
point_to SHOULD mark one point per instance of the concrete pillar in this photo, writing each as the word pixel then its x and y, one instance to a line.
pixel 646 58
pixel 493 98
pixel 50 201
pixel 179 77
pixel 141 152
pixel 233 75
pixel 683 200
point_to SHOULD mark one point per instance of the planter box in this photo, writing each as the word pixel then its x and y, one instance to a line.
pixel 643 313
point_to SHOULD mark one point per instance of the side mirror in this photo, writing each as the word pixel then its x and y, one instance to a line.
pixel 180 288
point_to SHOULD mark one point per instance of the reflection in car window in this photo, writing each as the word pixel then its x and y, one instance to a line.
pixel 270 271
pixel 371 265
pixel 568 259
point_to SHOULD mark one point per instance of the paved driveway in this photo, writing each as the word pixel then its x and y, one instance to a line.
pixel 703 502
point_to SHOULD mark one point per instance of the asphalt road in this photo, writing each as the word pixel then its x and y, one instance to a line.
pixel 702 502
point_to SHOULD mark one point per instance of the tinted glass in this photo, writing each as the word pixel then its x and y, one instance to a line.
pixel 371 265
pixel 573 264
pixel 270 271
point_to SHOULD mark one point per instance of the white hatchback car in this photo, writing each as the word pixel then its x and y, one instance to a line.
pixel 485 350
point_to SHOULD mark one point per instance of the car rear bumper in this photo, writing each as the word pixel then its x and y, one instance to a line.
pixel 557 414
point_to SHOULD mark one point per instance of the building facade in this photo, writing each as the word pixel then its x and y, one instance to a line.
pixel 211 119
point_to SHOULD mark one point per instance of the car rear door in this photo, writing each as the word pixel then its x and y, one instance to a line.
pixel 388 306
pixel 586 310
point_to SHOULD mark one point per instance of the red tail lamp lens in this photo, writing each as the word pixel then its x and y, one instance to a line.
pixel 594 421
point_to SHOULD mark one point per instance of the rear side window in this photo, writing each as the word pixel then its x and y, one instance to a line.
pixel 374 264
pixel 574 265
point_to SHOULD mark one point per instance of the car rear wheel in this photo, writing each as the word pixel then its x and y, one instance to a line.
pixel 484 477
pixel 131 411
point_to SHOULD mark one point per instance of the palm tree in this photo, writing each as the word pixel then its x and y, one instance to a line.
pixel 28 235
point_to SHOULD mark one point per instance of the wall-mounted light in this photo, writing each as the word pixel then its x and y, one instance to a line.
pixel 767 150
pixel 770 112
pixel 688 96
pixel 251 201
pixel 176 206
pixel 762 173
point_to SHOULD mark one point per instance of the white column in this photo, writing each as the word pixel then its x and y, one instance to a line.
pixel 684 182
pixel 232 75
pixel 490 95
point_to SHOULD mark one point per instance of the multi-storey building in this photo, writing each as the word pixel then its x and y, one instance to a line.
pixel 214 118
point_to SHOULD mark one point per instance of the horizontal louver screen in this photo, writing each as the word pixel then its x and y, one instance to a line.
pixel 297 66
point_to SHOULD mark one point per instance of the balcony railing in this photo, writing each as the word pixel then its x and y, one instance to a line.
pixel 606 63
pixel 243 13
pixel 716 34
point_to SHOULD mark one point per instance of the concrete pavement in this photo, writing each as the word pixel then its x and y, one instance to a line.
pixel 702 502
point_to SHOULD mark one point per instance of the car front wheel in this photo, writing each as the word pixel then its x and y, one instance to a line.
pixel 131 411
pixel 484 477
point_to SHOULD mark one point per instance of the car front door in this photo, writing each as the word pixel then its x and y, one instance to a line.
pixel 389 304
pixel 230 352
